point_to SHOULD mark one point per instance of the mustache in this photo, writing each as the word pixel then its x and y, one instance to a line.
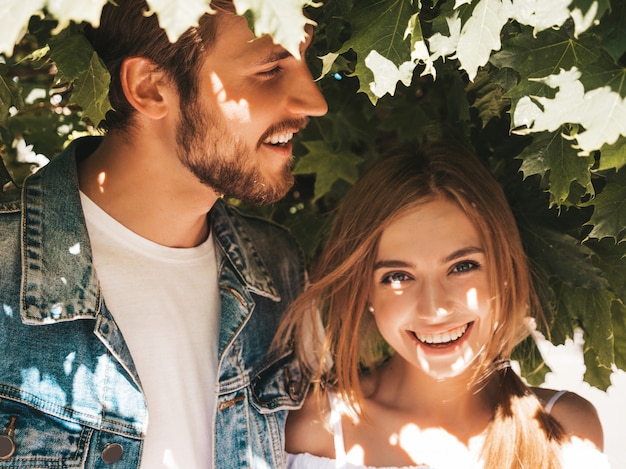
pixel 288 125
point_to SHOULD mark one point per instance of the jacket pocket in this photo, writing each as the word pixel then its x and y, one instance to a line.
pixel 279 386
pixel 30 438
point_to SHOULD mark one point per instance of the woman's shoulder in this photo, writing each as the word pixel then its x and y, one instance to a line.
pixel 307 429
pixel 577 416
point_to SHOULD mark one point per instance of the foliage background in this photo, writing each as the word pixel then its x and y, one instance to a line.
pixel 537 88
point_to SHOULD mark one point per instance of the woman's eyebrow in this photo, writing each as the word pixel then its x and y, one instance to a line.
pixel 463 252
pixel 386 264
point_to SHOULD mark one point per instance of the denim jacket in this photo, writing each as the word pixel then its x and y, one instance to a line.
pixel 70 396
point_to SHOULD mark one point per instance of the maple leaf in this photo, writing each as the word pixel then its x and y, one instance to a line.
pixel 613 156
pixel 91 90
pixel 177 16
pixel 327 166
pixel 480 35
pixel 75 10
pixel 618 315
pixel 71 54
pixel 551 152
pixel 609 214
pixel 379 30
pixel 14 15
pixel 9 94
pixel 284 20
pixel 593 308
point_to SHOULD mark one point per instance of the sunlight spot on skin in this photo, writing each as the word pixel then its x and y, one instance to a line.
pixel 356 455
pixel 396 284
pixel 75 249
pixel 394 439
pixel 433 446
pixel 472 299
pixel 102 176
pixel 232 109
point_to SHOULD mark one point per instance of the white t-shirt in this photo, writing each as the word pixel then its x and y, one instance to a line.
pixel 166 303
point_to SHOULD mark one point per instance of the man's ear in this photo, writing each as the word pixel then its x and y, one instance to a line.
pixel 145 88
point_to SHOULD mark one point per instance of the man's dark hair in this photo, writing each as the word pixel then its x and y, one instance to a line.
pixel 126 31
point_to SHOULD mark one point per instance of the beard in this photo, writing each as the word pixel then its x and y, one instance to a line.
pixel 207 147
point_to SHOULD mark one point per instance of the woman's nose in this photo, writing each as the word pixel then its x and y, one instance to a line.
pixel 432 303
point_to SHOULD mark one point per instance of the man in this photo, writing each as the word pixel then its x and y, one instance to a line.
pixel 137 307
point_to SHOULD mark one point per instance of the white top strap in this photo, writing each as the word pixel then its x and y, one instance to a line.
pixel 336 407
pixel 555 397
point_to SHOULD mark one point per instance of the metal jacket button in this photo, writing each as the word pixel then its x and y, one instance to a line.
pixel 7 447
pixel 112 453
pixel 7 444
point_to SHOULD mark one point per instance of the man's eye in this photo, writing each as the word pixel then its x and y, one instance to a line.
pixel 395 278
pixel 465 266
pixel 270 73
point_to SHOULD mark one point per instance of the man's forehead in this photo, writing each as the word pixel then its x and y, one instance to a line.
pixel 234 30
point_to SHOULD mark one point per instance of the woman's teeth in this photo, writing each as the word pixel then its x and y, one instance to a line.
pixel 444 337
pixel 279 139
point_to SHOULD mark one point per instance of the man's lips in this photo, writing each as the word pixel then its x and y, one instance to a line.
pixel 279 138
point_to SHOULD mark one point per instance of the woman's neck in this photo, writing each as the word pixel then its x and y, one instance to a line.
pixel 450 404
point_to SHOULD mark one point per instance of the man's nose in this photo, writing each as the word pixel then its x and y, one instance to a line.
pixel 305 97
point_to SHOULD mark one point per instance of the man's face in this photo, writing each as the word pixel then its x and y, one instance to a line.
pixel 252 97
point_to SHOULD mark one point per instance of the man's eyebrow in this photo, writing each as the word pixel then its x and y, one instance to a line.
pixel 274 56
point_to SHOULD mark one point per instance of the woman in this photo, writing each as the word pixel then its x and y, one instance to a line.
pixel 423 291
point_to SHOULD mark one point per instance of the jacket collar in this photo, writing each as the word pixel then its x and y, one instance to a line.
pixel 236 244
pixel 58 280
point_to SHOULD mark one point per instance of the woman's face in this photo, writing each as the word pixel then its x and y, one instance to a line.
pixel 430 291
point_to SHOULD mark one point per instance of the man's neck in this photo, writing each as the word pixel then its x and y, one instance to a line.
pixel 148 190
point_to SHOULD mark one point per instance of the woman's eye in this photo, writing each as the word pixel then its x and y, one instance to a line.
pixel 465 266
pixel 395 278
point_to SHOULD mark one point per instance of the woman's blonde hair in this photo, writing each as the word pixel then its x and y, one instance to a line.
pixel 342 276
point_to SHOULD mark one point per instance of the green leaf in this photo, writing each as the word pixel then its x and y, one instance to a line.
pixel 595 374
pixel 585 13
pixel 613 156
pixel 488 97
pixel 480 35
pixel 613 30
pixel 71 54
pixel 9 94
pixel 327 166
pixel 618 314
pixel 91 90
pixel 551 152
pixel 378 39
pixel 593 309
pixel 76 10
pixel 14 15
pixel 610 257
pixel 532 365
pixel 176 16
pixel 609 214
pixel 563 257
